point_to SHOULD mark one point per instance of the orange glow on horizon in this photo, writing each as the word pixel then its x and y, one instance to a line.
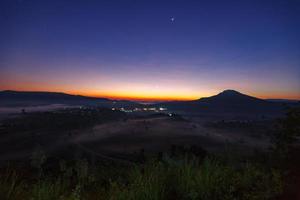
pixel 140 93
pixel 169 97
pixel 185 98
pixel 155 90
pixel 136 96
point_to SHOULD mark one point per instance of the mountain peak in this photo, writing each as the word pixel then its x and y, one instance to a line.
pixel 231 97
pixel 230 92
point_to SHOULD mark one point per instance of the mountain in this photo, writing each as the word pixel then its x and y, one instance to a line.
pixel 230 97
pixel 21 98
pixel 228 101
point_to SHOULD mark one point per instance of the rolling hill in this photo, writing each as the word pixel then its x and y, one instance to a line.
pixel 10 98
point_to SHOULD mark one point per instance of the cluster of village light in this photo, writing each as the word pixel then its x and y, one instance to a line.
pixel 145 109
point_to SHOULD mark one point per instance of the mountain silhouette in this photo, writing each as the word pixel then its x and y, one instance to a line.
pixel 231 97
pixel 20 95
pixel 228 101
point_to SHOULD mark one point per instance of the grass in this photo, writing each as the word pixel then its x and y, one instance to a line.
pixel 211 180
pixel 170 178
pixel 11 186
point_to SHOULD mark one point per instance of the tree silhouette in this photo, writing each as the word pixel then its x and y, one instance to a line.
pixel 287 133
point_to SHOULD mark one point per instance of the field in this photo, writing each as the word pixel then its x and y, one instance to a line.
pixel 99 153
pixel 126 134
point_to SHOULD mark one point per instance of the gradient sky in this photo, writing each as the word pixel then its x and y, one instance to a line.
pixel 151 49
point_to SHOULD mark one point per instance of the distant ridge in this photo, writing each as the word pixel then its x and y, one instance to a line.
pixel 284 100
pixel 228 101
pixel 28 98
pixel 37 94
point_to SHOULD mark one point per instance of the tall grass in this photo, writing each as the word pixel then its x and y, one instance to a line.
pixel 186 178
pixel 211 180
pixel 11 186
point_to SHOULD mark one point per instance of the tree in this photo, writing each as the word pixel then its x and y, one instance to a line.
pixel 287 133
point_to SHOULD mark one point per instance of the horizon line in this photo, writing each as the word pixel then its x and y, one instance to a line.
pixel 141 99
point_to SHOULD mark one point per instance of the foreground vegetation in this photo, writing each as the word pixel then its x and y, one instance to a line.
pixel 183 177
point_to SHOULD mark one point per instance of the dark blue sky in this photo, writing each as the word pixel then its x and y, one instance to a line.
pixel 134 48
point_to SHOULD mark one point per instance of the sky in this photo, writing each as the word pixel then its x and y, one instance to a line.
pixel 151 50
